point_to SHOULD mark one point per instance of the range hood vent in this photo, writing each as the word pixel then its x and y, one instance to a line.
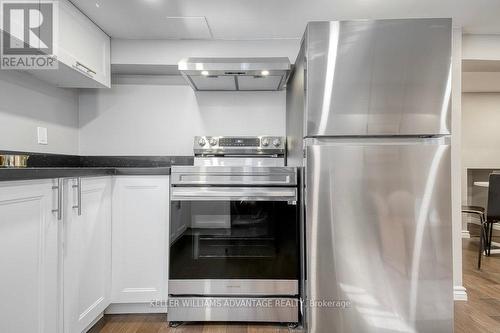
pixel 236 74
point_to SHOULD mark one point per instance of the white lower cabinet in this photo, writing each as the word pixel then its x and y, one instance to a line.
pixel 29 257
pixel 65 258
pixel 86 251
pixel 140 240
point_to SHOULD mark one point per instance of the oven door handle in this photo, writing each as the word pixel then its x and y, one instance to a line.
pixel 234 194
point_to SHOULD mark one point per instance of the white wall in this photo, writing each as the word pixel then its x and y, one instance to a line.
pixel 484 47
pixel 481 82
pixel 480 145
pixel 25 103
pixel 481 87
pixel 480 132
pixel 154 119
pixel 169 52
pixel 456 159
pixel 481 56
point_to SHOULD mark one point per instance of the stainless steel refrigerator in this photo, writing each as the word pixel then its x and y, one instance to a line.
pixel 368 117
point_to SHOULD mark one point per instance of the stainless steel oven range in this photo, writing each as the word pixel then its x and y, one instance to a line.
pixel 234 233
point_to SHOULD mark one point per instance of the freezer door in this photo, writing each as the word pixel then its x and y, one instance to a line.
pixel 382 77
pixel 378 236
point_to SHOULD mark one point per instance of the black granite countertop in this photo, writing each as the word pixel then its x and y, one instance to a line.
pixel 43 166
pixel 151 171
pixel 7 174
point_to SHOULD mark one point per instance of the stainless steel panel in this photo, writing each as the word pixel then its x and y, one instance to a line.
pixel 233 287
pixel 281 310
pixel 200 82
pixel 302 246
pixel 378 230
pixel 235 73
pixel 213 175
pixel 233 194
pixel 222 65
pixel 240 161
pixel 295 110
pixel 381 77
pixel 256 83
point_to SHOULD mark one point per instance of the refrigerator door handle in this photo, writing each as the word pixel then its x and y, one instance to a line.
pixel 372 141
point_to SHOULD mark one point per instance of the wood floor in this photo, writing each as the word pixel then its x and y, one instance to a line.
pixel 480 314
pixel 156 323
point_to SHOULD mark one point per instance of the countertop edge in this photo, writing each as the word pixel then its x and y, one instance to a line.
pixel 14 174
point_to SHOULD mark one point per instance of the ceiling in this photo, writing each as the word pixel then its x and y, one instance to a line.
pixel 269 19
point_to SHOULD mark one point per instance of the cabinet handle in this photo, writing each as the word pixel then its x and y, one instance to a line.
pixel 58 210
pixel 84 69
pixel 79 197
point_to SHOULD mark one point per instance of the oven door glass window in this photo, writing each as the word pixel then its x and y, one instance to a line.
pixel 234 239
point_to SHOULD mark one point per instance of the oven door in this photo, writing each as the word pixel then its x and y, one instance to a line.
pixel 234 240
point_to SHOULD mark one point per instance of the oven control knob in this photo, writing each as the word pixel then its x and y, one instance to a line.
pixel 202 142
pixel 213 141
pixel 265 142
pixel 276 142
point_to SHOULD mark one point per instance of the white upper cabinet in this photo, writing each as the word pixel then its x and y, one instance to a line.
pixel 87 251
pixel 29 270
pixel 140 239
pixel 83 45
pixel 83 52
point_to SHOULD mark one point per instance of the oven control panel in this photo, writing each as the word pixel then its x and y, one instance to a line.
pixel 239 142
pixel 244 145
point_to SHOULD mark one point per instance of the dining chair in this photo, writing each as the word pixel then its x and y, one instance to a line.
pixel 493 208
pixel 483 233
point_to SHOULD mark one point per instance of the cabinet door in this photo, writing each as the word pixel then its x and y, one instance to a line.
pixel 87 252
pixel 140 238
pixel 83 45
pixel 29 242
pixel 83 52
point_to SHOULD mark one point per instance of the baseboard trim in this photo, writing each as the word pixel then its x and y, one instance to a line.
pixel 459 293
pixel 94 322
pixel 126 308
pixel 466 233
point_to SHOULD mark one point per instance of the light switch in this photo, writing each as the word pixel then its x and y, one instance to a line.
pixel 42 135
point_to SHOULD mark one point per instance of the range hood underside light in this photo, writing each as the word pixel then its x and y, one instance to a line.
pixel 236 74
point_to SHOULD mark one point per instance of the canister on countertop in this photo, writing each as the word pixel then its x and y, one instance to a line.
pixel 14 161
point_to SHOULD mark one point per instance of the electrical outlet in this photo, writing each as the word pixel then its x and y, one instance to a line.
pixel 42 135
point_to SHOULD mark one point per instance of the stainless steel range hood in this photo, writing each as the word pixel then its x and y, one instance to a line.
pixel 235 74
